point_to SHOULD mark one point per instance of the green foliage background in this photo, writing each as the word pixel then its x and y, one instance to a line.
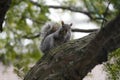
pixel 25 19
pixel 113 65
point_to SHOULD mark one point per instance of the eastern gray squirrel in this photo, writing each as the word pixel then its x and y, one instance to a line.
pixel 54 35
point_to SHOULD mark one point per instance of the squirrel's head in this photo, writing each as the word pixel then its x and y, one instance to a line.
pixel 65 27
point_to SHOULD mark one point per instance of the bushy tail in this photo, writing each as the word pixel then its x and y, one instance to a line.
pixel 48 28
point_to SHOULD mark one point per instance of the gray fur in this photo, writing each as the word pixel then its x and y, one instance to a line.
pixel 56 38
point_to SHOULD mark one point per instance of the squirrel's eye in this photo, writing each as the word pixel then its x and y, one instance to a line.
pixel 65 31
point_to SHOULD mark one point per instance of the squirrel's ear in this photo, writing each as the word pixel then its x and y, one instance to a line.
pixel 48 25
pixel 71 24
pixel 62 22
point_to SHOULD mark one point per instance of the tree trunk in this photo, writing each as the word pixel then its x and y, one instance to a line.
pixel 4 5
pixel 73 60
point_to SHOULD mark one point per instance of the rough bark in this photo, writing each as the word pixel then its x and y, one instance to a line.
pixel 4 5
pixel 73 60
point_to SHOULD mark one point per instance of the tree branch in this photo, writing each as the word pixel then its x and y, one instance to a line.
pixel 73 60
pixel 84 30
pixel 73 9
pixel 4 5
pixel 31 36
pixel 73 30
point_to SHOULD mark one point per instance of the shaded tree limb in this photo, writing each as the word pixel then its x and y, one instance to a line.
pixel 73 60
pixel 4 6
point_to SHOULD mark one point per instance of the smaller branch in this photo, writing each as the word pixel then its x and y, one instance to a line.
pixel 99 18
pixel 73 30
pixel 32 37
pixel 74 9
pixel 83 30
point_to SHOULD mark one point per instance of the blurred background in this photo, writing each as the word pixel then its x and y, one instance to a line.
pixel 20 40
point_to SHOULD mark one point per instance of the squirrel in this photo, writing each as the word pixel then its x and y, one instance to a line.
pixel 54 35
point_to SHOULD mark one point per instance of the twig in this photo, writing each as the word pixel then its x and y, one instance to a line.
pixel 31 37
pixel 105 14
pixel 99 18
